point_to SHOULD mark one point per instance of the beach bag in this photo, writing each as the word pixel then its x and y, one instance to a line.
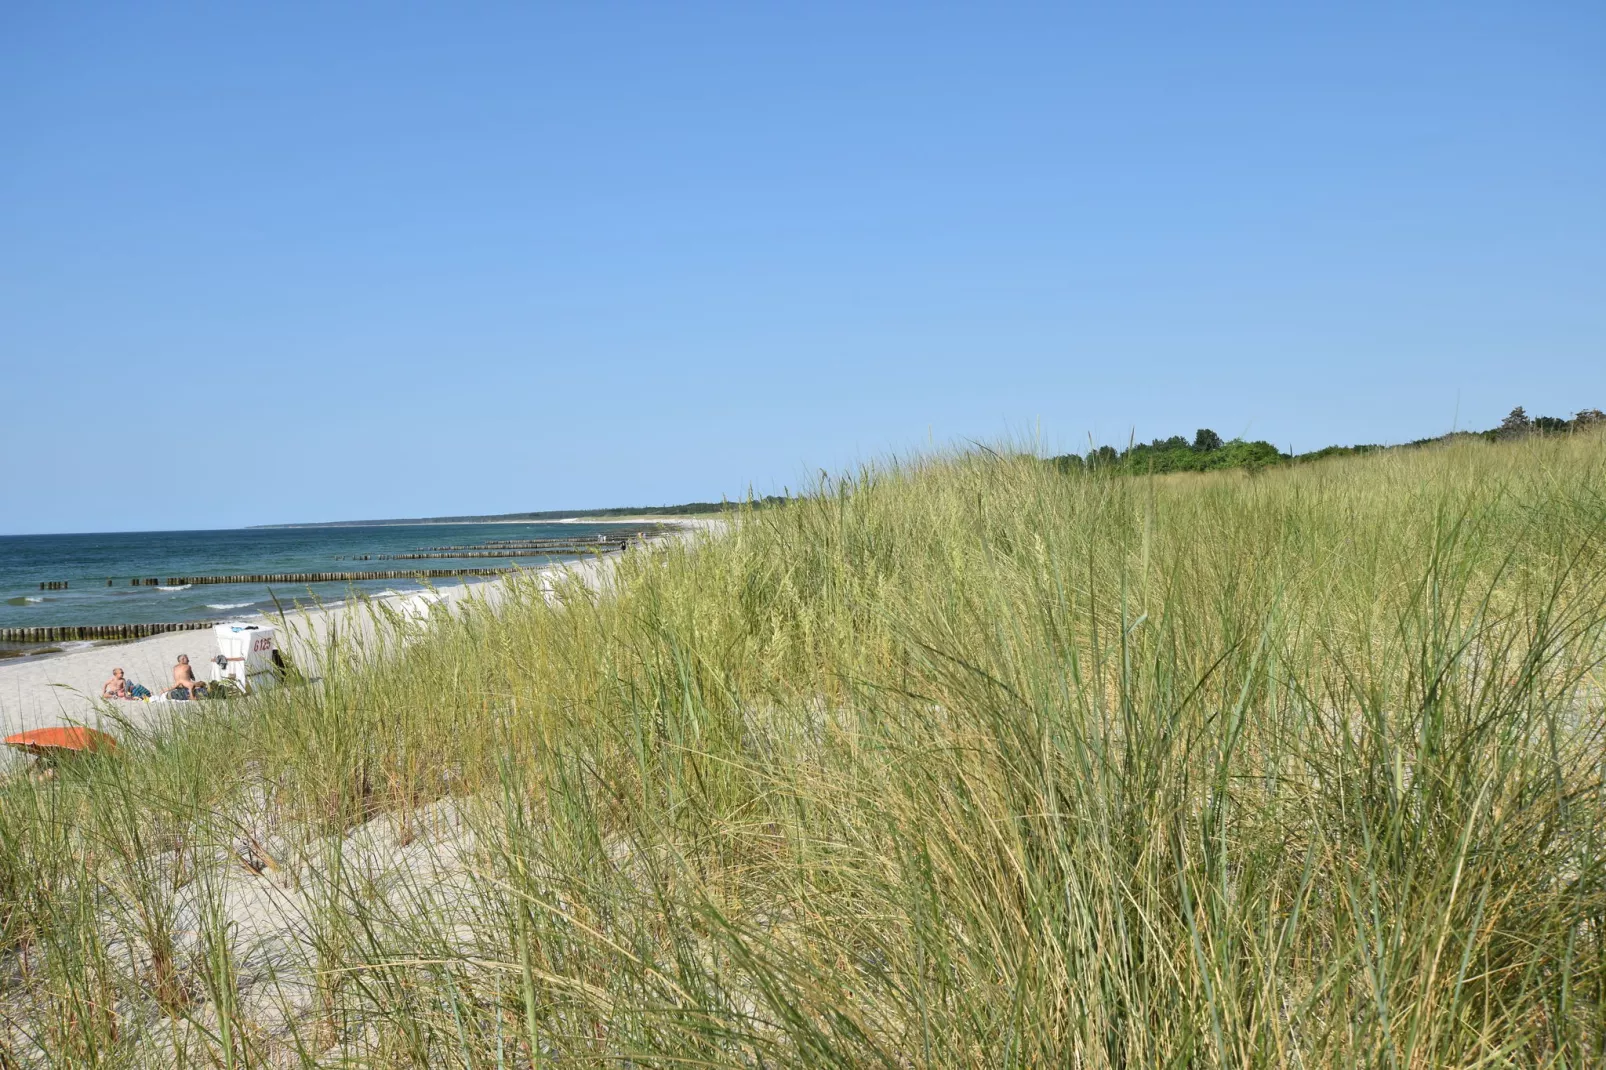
pixel 138 691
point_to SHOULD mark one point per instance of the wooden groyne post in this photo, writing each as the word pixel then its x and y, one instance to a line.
pixel 68 633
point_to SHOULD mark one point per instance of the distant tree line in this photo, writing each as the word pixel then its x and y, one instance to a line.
pixel 687 509
pixel 1207 452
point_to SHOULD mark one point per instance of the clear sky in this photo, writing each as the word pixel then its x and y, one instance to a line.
pixel 284 262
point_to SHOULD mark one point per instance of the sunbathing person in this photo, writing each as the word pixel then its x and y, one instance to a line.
pixel 116 687
pixel 185 684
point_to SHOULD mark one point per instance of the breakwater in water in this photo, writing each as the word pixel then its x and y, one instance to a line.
pixel 70 632
pixel 512 548
pixel 178 576
pixel 587 548
pixel 322 577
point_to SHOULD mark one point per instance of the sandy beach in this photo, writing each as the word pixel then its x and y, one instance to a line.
pixel 65 688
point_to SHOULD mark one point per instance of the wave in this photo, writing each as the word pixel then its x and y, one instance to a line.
pixel 180 587
pixel 228 605
pixel 31 598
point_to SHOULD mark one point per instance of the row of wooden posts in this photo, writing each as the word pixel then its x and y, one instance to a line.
pixel 322 577
pixel 139 631
pixel 574 548
pixel 536 544
pixel 67 633
pixel 64 633
pixel 527 548
pixel 308 577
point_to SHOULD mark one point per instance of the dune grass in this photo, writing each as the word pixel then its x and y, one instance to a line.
pixel 959 762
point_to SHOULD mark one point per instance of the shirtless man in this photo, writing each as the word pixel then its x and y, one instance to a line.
pixel 116 687
pixel 184 679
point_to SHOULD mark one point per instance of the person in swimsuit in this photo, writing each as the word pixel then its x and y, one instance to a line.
pixel 116 687
pixel 185 684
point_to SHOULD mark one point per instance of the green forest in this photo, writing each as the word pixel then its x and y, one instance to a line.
pixel 1206 451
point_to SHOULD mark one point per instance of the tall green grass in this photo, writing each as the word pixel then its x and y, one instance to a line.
pixel 957 762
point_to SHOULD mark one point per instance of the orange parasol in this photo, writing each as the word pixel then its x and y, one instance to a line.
pixel 50 742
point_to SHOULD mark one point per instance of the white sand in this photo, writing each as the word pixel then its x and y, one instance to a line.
pixel 66 687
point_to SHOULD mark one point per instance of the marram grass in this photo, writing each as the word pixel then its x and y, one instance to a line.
pixel 959 762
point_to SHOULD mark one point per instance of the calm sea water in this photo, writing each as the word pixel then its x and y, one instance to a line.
pixel 86 562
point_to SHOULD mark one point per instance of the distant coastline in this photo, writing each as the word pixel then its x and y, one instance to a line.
pixel 555 518
pixel 620 514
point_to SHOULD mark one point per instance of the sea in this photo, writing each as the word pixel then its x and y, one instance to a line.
pixel 98 568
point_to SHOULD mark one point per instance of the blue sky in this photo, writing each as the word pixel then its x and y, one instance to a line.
pixel 303 262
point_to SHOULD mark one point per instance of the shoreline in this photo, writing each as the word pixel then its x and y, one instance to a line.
pixel 250 575
pixel 46 689
pixel 58 647
pixel 649 518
